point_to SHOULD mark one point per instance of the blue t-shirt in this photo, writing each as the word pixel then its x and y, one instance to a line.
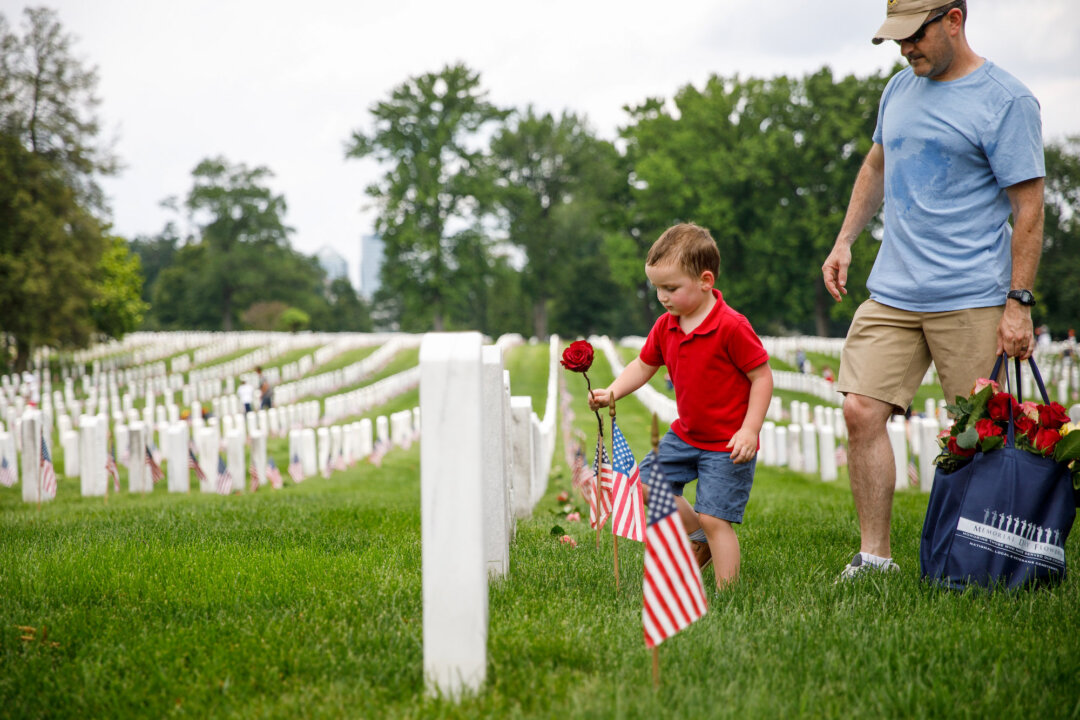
pixel 951 149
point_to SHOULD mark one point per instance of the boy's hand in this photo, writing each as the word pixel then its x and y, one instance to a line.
pixel 599 398
pixel 743 446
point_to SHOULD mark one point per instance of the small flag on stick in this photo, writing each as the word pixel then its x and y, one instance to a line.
pixel 628 508
pixel 273 474
pixel 48 474
pixel 7 472
pixel 155 469
pixel 110 465
pixel 674 595
pixel 224 477
pixel 193 463
pixel 296 470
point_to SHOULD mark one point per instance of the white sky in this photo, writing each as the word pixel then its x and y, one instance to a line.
pixel 283 84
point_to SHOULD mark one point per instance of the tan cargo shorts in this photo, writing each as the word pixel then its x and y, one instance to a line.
pixel 888 351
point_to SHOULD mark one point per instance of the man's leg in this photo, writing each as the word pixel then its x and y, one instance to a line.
pixel 872 469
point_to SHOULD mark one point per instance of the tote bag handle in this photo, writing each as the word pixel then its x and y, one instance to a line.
pixel 1011 441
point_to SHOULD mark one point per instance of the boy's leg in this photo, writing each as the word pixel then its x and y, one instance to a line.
pixel 687 514
pixel 724 544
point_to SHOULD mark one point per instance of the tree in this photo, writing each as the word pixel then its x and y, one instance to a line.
pixel 426 132
pixel 240 219
pixel 51 241
pixel 348 311
pixel 293 320
pixel 1059 271
pixel 47 100
pixel 768 166
pixel 543 166
pixel 117 307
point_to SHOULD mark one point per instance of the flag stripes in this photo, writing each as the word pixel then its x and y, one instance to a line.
pixel 628 508
pixel 48 474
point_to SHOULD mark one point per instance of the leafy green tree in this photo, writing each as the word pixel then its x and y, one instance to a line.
pixel 118 307
pixel 239 219
pixel 348 311
pixel 767 165
pixel 1059 271
pixel 264 315
pixel 46 283
pixel 50 238
pixel 294 320
pixel 426 132
pixel 543 166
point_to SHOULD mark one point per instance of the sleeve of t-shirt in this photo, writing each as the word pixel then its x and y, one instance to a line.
pixel 746 349
pixel 1013 142
pixel 650 352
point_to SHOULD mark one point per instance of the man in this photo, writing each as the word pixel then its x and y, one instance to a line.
pixel 266 389
pixel 957 147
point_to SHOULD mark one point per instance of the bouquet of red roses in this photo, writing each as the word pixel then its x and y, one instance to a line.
pixel 982 424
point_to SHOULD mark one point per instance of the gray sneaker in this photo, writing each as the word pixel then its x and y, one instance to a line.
pixel 857 567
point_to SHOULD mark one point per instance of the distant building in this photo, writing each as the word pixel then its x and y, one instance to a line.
pixel 371 260
pixel 333 263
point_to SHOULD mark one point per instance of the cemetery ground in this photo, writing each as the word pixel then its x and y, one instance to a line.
pixel 306 602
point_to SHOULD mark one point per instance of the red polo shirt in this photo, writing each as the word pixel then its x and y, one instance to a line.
pixel 708 368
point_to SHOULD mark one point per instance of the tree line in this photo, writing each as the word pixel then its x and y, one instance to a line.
pixel 495 219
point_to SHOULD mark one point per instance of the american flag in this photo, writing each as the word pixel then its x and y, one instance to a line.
pixel 628 509
pixel 273 474
pixel 253 477
pixel 602 467
pixel 224 478
pixel 674 595
pixel 194 464
pixel 7 472
pixel 48 475
pixel 912 475
pixel 339 461
pixel 155 453
pixel 155 469
pixel 296 470
pixel 110 465
pixel 381 448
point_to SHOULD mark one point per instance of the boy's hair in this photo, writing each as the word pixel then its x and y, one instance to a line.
pixel 690 246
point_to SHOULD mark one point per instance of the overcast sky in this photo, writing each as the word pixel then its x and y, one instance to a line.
pixel 283 84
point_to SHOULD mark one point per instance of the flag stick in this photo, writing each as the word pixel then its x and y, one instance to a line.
pixel 596 480
pixel 615 538
pixel 656 458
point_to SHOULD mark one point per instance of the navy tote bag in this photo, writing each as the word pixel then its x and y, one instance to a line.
pixel 1000 521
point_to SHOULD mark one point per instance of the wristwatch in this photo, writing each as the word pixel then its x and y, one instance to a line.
pixel 1024 297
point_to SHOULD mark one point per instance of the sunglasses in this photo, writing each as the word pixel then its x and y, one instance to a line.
pixel 921 32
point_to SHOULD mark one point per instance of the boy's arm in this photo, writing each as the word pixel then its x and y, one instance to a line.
pixel 744 443
pixel 633 376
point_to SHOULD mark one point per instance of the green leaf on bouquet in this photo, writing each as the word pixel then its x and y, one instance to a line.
pixel 1068 447
pixel 992 443
pixel 979 401
pixel 968 439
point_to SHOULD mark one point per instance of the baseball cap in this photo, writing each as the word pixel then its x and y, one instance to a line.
pixel 904 18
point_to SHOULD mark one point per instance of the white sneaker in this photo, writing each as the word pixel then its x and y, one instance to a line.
pixel 857 567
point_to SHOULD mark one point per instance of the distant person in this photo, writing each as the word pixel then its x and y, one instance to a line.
pixel 1070 344
pixel 827 373
pixel 266 389
pixel 246 393
pixel 1043 339
pixel 723 386
pixel 801 363
pixel 956 150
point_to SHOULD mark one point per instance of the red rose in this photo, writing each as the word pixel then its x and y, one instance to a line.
pixel 1045 440
pixel 957 450
pixel 998 407
pixel 987 428
pixel 1052 416
pixel 1026 426
pixel 578 357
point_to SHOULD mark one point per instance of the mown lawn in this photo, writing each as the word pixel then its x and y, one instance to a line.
pixel 306 602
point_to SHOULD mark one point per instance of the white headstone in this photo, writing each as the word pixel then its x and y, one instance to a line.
pixel 455 595
pixel 33 489
pixel 139 477
pixel 898 440
pixel 258 454
pixel 522 449
pixel 234 458
pixel 496 496
pixel 177 457
pixel 827 445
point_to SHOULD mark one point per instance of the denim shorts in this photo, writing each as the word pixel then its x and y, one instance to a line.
pixel 723 486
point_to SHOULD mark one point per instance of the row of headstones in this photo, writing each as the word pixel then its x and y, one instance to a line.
pixel 86 451
pixel 482 466
pixel 328 382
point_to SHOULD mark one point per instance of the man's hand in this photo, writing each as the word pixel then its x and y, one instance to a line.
pixel 835 270
pixel 1015 336
pixel 743 446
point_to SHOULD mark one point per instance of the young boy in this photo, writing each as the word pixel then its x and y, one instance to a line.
pixel 723 385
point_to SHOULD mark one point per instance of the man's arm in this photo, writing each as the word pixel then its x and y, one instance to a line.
pixel 633 376
pixel 1015 335
pixel 866 198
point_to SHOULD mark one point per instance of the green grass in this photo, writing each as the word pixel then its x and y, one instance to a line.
pixel 343 360
pixel 306 602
